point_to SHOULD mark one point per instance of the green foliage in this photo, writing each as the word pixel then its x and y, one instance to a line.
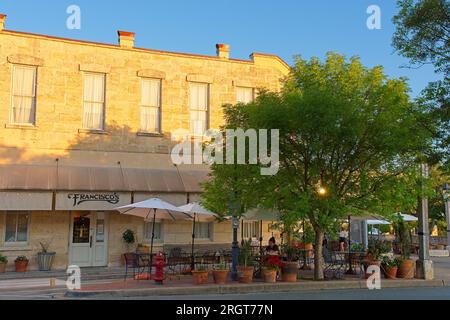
pixel 345 127
pixel 403 237
pixel 356 247
pixel 21 259
pixel 423 36
pixel 3 259
pixel 221 266
pixel 201 268
pixel 129 237
pixel 246 255
pixel 290 252
pixel 388 262
pixel 377 248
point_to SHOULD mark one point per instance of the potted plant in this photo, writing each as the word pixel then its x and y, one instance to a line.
pixel 129 237
pixel 375 251
pixel 271 266
pixel 200 274
pixel 21 264
pixel 289 268
pixel 220 273
pixel 390 267
pixel 355 251
pixel 45 258
pixel 406 267
pixel 3 263
pixel 245 268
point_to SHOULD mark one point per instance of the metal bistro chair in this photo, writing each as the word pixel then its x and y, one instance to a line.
pixel 334 264
pixel 132 261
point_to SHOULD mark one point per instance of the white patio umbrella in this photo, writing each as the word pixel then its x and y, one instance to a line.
pixel 159 209
pixel 377 222
pixel 408 217
pixel 200 214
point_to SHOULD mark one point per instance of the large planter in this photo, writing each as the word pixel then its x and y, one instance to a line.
pixel 369 263
pixel 3 267
pixel 200 277
pixel 406 269
pixel 245 274
pixel 21 266
pixel 45 260
pixel 391 272
pixel 289 271
pixel 220 276
pixel 269 275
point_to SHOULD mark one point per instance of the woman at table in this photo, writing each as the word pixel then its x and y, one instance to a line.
pixel 272 249
pixel 343 235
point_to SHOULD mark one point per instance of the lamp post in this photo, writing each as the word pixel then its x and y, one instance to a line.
pixel 447 211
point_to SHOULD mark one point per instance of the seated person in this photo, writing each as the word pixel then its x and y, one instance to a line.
pixel 272 249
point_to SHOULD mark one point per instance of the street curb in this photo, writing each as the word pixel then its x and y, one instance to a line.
pixel 252 288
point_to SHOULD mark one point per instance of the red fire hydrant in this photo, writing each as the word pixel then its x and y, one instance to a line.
pixel 159 269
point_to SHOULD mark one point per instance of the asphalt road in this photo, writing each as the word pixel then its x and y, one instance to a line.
pixel 440 293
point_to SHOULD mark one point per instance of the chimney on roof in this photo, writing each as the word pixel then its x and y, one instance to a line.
pixel 126 39
pixel 2 21
pixel 223 51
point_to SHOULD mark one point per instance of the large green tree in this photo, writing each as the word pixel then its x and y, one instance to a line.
pixel 343 127
pixel 423 36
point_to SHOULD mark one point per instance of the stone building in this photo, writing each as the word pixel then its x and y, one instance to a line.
pixel 86 127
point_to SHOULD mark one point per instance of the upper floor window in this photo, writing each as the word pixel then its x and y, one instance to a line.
pixel 17 225
pixel 148 227
pixel 23 109
pixel 245 95
pixel 203 230
pixel 94 101
pixel 251 230
pixel 151 106
pixel 199 108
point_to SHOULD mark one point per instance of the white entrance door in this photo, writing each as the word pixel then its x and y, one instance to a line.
pixel 89 238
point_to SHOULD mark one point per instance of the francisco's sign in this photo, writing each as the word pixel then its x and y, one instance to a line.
pixel 79 198
pixel 86 201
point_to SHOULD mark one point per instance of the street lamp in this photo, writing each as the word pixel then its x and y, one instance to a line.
pixel 447 210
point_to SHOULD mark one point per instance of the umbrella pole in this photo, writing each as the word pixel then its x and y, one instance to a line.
pixel 260 237
pixel 193 242
pixel 151 245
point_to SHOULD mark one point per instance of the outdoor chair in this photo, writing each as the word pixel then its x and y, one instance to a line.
pixel 334 263
pixel 177 260
pixel 132 261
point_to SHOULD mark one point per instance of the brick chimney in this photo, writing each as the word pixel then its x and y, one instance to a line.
pixel 223 51
pixel 2 21
pixel 126 39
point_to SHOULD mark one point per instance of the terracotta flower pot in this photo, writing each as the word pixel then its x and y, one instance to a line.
pixel 406 270
pixel 270 275
pixel 245 274
pixel 200 277
pixel 391 273
pixel 21 266
pixel 289 272
pixel 220 276
pixel 2 267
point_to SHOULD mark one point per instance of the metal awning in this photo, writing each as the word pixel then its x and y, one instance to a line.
pixel 71 178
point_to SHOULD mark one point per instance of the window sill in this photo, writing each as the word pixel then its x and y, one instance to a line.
pixel 92 131
pixel 149 134
pixel 12 247
pixel 21 126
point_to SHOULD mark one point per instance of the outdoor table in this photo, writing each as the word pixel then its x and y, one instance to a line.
pixel 145 259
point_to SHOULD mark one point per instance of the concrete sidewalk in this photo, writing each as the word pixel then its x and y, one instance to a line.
pixel 129 289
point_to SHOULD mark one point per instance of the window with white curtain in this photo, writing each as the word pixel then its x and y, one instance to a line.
pixel 199 108
pixel 151 106
pixel 23 109
pixel 94 101
pixel 203 230
pixel 245 95
pixel 16 227
pixel 148 227
pixel 251 229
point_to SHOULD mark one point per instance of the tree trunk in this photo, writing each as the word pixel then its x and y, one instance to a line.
pixel 318 257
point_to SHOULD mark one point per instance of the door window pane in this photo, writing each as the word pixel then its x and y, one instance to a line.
pixel 81 229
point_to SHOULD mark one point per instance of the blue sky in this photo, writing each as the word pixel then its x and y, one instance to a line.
pixel 283 27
